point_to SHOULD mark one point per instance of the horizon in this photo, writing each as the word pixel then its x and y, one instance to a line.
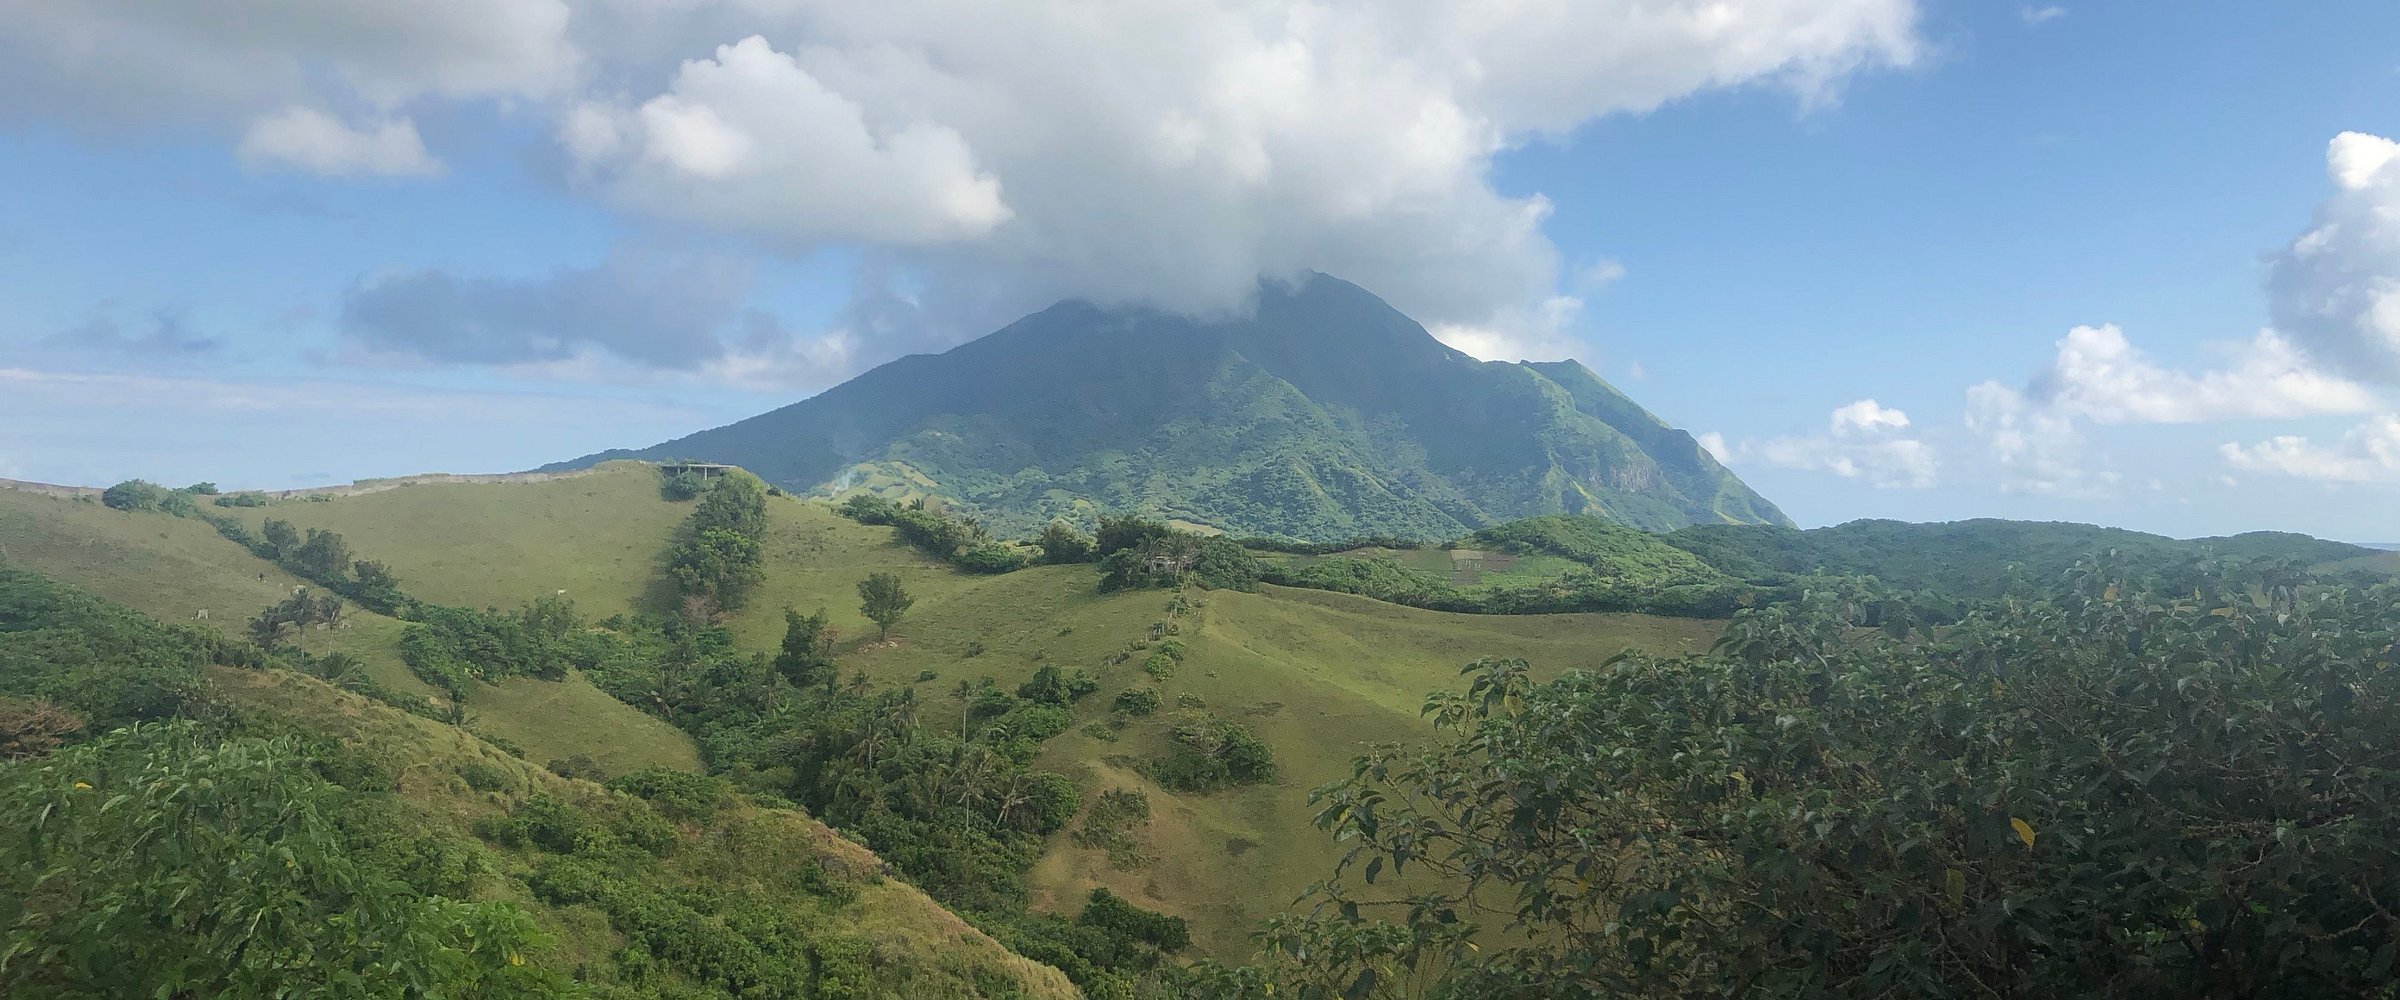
pixel 1884 259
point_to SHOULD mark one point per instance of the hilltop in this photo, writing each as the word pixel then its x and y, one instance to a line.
pixel 1323 414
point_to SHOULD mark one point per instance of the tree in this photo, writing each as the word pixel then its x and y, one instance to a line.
pixel 378 588
pixel 2111 791
pixel 1047 686
pixel 282 539
pixel 324 557
pixel 806 652
pixel 1061 543
pixel 883 601
pixel 135 494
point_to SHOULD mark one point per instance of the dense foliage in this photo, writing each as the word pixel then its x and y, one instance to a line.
pixel 1135 552
pixel 2116 790
pixel 719 553
pixel 160 861
pixel 960 541
pixel 110 666
pixel 450 647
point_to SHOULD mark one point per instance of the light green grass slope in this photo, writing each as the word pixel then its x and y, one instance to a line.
pixel 170 567
pixel 596 537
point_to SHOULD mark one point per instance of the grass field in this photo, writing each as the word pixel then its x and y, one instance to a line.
pixel 596 537
pixel 170 567
pixel 167 567
pixel 1318 675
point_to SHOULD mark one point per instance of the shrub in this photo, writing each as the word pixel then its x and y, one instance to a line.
pixel 867 508
pixel 484 776
pixel 1139 701
pixel 677 794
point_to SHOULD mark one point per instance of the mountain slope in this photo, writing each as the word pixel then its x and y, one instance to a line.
pixel 1326 414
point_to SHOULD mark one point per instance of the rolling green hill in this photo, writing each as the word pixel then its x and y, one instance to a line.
pixel 1325 415
pixel 1319 676
pixel 1978 559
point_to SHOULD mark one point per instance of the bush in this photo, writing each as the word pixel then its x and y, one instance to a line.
pixel 1061 543
pixel 677 794
pixel 682 486
pixel 1139 701
pixel 867 508
pixel 989 557
pixel 136 494
pixel 484 776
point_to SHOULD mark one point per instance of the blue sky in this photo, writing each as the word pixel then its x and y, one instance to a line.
pixel 2043 241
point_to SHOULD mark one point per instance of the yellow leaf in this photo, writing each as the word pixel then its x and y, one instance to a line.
pixel 83 784
pixel 2111 595
pixel 1955 883
pixel 2221 612
pixel 2024 831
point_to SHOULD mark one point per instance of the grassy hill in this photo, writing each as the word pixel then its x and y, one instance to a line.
pixel 171 568
pixel 1326 414
pixel 1318 675
pixel 451 782
pixel 1978 559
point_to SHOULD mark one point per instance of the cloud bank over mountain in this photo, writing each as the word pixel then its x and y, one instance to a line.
pixel 1169 153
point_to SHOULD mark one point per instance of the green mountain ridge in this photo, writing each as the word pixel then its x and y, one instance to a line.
pixel 1325 414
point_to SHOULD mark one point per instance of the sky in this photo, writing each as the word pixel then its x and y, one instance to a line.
pixel 2130 264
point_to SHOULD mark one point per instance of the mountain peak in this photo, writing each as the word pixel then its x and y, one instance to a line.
pixel 1321 413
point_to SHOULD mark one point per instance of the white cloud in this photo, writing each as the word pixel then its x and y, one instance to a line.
pixel 1713 443
pixel 751 142
pixel 317 142
pixel 2099 375
pixel 1175 152
pixel 2336 289
pixel 1866 417
pixel 1862 440
pixel 2369 453
pixel 1166 151
pixel 2038 15
pixel 1543 333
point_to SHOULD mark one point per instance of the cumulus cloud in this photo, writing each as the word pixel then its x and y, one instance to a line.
pixel 1867 417
pixel 2369 453
pixel 1171 153
pixel 750 141
pixel 2097 376
pixel 2039 15
pixel 317 142
pixel 1862 440
pixel 2336 289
